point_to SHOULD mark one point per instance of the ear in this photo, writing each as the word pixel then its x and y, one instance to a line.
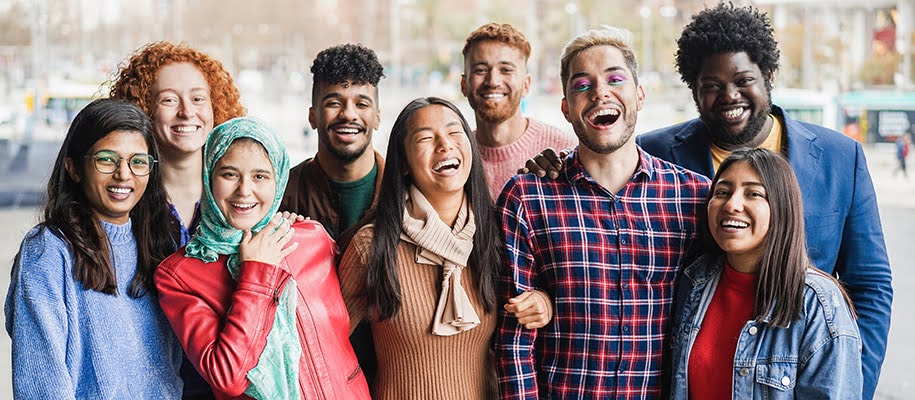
pixel 565 109
pixel 72 171
pixel 311 118
pixel 464 88
pixel 641 93
pixel 770 81
pixel 526 85
pixel 377 119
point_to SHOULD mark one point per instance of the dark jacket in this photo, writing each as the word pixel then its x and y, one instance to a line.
pixel 842 222
pixel 309 193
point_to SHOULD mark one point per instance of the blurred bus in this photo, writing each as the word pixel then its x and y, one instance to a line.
pixel 880 116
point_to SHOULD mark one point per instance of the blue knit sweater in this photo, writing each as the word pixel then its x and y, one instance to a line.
pixel 69 342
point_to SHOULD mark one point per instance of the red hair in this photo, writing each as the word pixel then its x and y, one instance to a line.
pixel 136 78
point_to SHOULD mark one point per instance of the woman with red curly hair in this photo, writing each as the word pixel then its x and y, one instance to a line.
pixel 186 93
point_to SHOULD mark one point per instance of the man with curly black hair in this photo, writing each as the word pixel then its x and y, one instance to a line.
pixel 340 184
pixel 728 57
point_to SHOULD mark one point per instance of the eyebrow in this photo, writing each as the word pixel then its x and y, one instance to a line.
pixel 607 70
pixel 428 128
pixel 175 91
pixel 729 183
pixel 338 95
pixel 500 62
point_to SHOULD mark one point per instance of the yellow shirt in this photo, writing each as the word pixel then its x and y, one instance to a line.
pixel 773 142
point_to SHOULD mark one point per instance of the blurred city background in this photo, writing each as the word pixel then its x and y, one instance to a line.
pixel 845 64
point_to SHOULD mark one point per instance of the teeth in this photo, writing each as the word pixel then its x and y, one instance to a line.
pixel 735 223
pixel 605 111
pixel 119 190
pixel 494 95
pixel 186 129
pixel 733 113
pixel 244 205
pixel 347 130
pixel 447 163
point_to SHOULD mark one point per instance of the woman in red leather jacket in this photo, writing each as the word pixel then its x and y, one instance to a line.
pixel 254 297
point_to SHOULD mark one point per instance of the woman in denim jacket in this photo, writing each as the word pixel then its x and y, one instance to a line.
pixel 752 318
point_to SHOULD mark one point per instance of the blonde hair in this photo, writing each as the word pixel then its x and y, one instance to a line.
pixel 605 36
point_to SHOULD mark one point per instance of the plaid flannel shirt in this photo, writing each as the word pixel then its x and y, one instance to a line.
pixel 608 261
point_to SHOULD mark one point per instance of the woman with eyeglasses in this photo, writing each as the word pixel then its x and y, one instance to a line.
pixel 82 310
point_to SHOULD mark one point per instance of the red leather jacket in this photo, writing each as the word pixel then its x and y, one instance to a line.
pixel 223 324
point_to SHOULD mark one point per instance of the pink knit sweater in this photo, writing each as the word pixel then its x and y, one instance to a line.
pixel 501 163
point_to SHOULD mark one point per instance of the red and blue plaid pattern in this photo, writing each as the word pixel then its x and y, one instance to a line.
pixel 608 260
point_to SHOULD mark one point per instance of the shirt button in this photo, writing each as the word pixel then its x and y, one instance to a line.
pixel 622 241
pixel 625 328
pixel 786 380
pixel 744 372
pixel 753 330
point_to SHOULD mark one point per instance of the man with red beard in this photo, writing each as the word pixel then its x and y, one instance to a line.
pixel 604 239
pixel 495 79
pixel 731 77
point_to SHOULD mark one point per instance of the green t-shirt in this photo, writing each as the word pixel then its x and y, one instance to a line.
pixel 355 197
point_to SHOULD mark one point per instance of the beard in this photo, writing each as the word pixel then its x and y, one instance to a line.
pixel 591 143
pixel 720 136
pixel 497 113
pixel 348 155
pixel 344 152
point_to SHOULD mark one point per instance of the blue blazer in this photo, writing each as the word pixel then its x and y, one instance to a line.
pixel 844 235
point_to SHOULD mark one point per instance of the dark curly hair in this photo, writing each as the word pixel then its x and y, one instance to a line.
pixel 727 29
pixel 135 79
pixel 346 62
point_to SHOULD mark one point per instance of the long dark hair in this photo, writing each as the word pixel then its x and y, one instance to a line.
pixel 382 284
pixel 784 260
pixel 67 212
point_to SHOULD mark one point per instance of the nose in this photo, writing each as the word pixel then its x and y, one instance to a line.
pixel 245 187
pixel 122 171
pixel 493 78
pixel 731 92
pixel 601 90
pixel 443 144
pixel 734 204
pixel 348 112
pixel 184 109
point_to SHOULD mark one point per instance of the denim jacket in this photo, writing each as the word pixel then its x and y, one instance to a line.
pixel 817 356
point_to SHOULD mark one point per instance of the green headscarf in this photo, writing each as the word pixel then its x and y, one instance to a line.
pixel 277 371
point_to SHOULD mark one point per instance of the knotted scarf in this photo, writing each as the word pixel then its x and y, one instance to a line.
pixel 448 247
pixel 276 375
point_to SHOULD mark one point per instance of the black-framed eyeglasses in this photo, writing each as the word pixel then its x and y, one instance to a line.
pixel 107 162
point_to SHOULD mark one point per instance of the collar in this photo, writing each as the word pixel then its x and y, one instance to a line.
pixel 575 173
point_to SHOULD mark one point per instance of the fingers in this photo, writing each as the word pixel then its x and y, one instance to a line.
pixel 532 309
pixel 293 217
pixel 288 250
pixel 532 167
pixel 246 237
pixel 269 245
pixel 550 162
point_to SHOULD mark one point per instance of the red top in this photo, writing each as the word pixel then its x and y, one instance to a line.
pixel 711 360
pixel 223 323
